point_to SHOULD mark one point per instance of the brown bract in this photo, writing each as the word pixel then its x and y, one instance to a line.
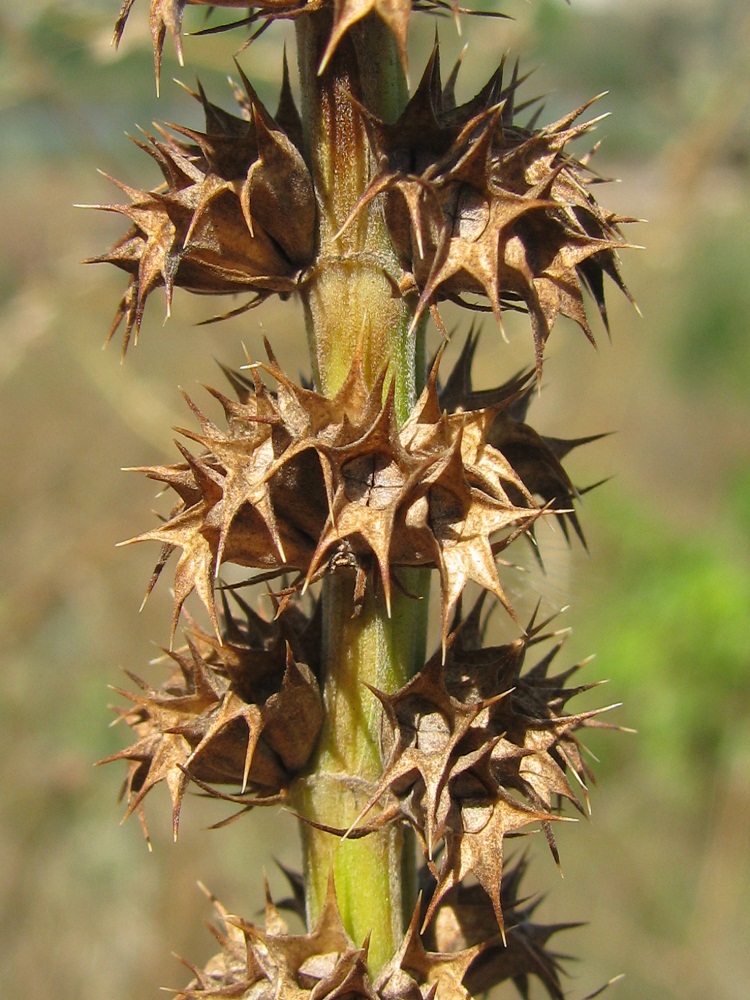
pixel 167 16
pixel 536 458
pixel 461 955
pixel 299 482
pixel 236 211
pixel 476 751
pixel 465 918
pixel 477 204
pixel 243 712
pixel 269 963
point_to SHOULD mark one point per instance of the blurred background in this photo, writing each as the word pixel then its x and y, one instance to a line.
pixel 661 873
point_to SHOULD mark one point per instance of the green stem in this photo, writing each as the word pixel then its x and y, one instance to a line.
pixel 352 303
pixel 351 292
pixel 373 650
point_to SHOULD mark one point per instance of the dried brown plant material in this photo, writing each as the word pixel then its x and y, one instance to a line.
pixel 476 751
pixel 536 458
pixel 416 974
pixel 269 963
pixel 236 212
pixel 242 712
pixel 167 16
pixel 299 482
pixel 478 204
pixel 465 919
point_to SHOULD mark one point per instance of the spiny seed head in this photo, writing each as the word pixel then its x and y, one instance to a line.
pixel 476 750
pixel 269 963
pixel 299 482
pixel 536 458
pixel 477 204
pixel 167 16
pixel 242 712
pixel 236 212
pixel 465 919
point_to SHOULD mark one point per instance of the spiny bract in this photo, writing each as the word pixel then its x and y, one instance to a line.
pixel 301 483
pixel 167 16
pixel 236 212
pixel 243 711
pixel 477 204
pixel 270 963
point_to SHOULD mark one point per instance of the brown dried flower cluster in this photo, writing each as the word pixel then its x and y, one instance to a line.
pixel 236 212
pixel 261 963
pixel 476 751
pixel 244 710
pixel 477 204
pixel 360 489
pixel 299 482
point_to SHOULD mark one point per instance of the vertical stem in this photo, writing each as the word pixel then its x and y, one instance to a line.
pixel 351 293
pixel 367 650
pixel 352 303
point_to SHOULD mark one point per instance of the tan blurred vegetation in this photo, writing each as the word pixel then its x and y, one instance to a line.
pixel 662 872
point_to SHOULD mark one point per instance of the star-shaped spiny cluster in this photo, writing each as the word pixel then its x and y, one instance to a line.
pixel 465 918
pixel 167 16
pixel 261 963
pixel 299 483
pixel 245 711
pixel 236 212
pixel 477 204
pixel 476 751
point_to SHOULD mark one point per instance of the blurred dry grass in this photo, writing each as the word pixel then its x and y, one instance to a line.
pixel 661 872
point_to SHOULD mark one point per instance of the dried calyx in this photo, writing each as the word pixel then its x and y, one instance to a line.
pixel 476 751
pixel 244 711
pixel 477 204
pixel 301 483
pixel 465 918
pixel 236 212
pixel 462 954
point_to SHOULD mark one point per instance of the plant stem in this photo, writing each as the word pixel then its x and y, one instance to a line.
pixel 350 295
pixel 369 649
pixel 351 303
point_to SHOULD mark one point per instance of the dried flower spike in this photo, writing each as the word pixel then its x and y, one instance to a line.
pixel 353 492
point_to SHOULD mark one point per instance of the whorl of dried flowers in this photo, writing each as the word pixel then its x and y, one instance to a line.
pixel 456 959
pixel 475 746
pixel 242 710
pixel 301 483
pixel 475 204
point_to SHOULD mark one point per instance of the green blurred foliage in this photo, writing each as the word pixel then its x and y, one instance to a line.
pixel 662 871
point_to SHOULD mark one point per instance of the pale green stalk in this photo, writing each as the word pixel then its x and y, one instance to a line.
pixel 349 304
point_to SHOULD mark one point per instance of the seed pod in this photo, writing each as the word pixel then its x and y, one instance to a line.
pixel 215 226
pixel 301 482
pixel 241 712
